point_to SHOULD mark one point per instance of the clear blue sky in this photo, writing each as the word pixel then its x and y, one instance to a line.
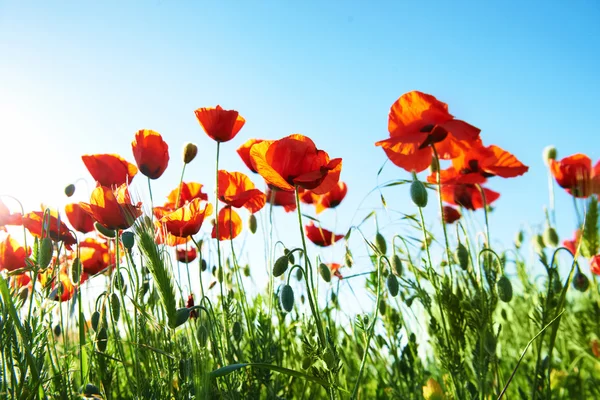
pixel 81 77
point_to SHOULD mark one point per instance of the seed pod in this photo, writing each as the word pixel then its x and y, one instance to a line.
pixel 202 335
pixel 397 265
pixel 181 317
pixel 252 224
pixel 128 240
pixel 115 306
pixel 102 340
pixel 76 270
pixel 551 237
pixel 462 254
pixel 505 291
pixel 418 192
pixel 580 281
pixel 45 253
pixel 286 298
pixel 70 190
pixel 109 233
pixel 95 320
pixel 236 330
pixel 190 150
pixel 280 266
pixel 392 285
pixel 290 256
pixel 325 272
pixel 380 243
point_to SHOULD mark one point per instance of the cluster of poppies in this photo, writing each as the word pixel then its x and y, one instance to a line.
pixel 423 132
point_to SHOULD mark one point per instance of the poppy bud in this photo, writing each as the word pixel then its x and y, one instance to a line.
pixel 57 330
pixel 237 331
pixel 380 242
pixel 549 154
pixel 252 223
pixel 550 236
pixel 418 192
pixel 76 270
pixel 325 272
pixel 91 390
pixel 289 255
pixel 462 254
pixel 538 242
pixel 505 290
pixel 246 270
pixel 203 265
pixel 580 281
pixel 307 362
pixel 280 266
pixel 382 307
pixel 45 253
pixel 190 150
pixel 95 320
pixel 392 284
pixel 298 274
pixel 128 240
pixel 118 282
pixel 397 265
pixel 102 340
pixel 115 306
pixel 181 317
pixel 519 239
pixel 286 298
pixel 70 190
pixel 109 233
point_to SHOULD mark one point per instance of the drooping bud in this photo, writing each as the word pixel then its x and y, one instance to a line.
pixel 109 233
pixel 505 290
pixel 190 150
pixel 551 237
pixel 286 298
pixel 95 320
pixel 380 243
pixel 45 253
pixel 128 240
pixel 76 270
pixel 181 317
pixel 252 224
pixel 280 266
pixel 548 154
pixel 91 390
pixel 538 243
pixel 102 340
pixel 298 274
pixel 70 190
pixel 580 281
pixel 290 256
pixel 57 330
pixel 325 272
pixel 115 306
pixel 418 192
pixel 392 285
pixel 397 265
pixel 462 254
pixel 236 330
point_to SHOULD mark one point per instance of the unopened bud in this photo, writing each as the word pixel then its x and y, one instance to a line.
pixel 397 265
pixel 70 190
pixel 418 193
pixel 109 233
pixel 549 153
pixel 551 237
pixel 392 284
pixel 45 253
pixel 190 150
pixel 252 223
pixel 505 290
pixel 380 242
pixel 325 272
pixel 286 298
pixel 580 282
pixel 128 240
pixel 280 266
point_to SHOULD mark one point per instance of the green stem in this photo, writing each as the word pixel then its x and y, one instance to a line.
pixel 181 183
pixel 220 270
pixel 441 204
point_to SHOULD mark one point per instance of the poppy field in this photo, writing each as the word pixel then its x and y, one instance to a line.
pixel 123 296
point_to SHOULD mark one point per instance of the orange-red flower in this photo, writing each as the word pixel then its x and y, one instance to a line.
pixel 282 198
pixel 418 120
pixel 595 264
pixel 53 228
pixel 335 269
pixel 79 219
pixel 8 218
pixel 12 254
pixel 184 194
pixel 109 169
pixel 450 214
pixel 321 237
pixel 221 125
pixel 21 280
pixel 333 198
pixel 296 161
pixel 572 244
pixel 94 256
pixel 576 175
pixel 307 196
pixel 244 152
pixel 230 224
pixel 112 208
pixel 187 220
pixel 65 289
pixel 468 196
pixel 151 153
pixel 184 255
pixel 237 190
pixel 162 236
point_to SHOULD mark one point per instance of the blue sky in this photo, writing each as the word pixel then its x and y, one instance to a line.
pixel 83 77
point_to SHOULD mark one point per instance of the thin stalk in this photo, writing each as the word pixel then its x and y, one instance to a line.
pixel 181 183
pixel 224 320
pixel 441 204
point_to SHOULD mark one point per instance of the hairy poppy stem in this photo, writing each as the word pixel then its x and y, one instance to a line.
pixel 181 183
pixel 439 184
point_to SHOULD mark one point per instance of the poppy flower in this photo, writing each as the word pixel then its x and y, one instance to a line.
pixel 281 198
pixel 335 269
pixel 244 152
pixel 333 198
pixel 79 219
pixel 321 237
pixel 572 244
pixel 307 196
pixel 162 236
pixel 468 196
pixel 64 290
pixel 221 125
pixel 576 175
pixel 94 256
pixel 230 224
pixel 237 190
pixel 56 230
pixel 190 304
pixel 12 254
pixel 112 208
pixel 8 218
pixel 296 161
pixel 109 169
pixel 450 214
pixel 186 193
pixel 20 280
pixel 184 255
pixel 418 120
pixel 187 220
pixel 151 153
pixel 595 264
pixel 478 163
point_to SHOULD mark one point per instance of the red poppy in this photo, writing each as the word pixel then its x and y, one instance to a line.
pixel 572 244
pixel 595 264
pixel 56 230
pixel 8 218
pixel 450 214
pixel 221 125
pixel 112 208
pixel 151 153
pixel 109 169
pixel 184 255
pixel 12 254
pixel 333 198
pixel 478 163
pixel 296 161
pixel 162 236
pixel 307 196
pixel 418 120
pixel 79 219
pixel 187 220
pixel 94 256
pixel 186 193
pixel 244 152
pixel 190 304
pixel 64 290
pixel 468 196
pixel 576 176
pixel 335 269
pixel 321 237
pixel 230 224
pixel 237 190
pixel 21 280
pixel 282 198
